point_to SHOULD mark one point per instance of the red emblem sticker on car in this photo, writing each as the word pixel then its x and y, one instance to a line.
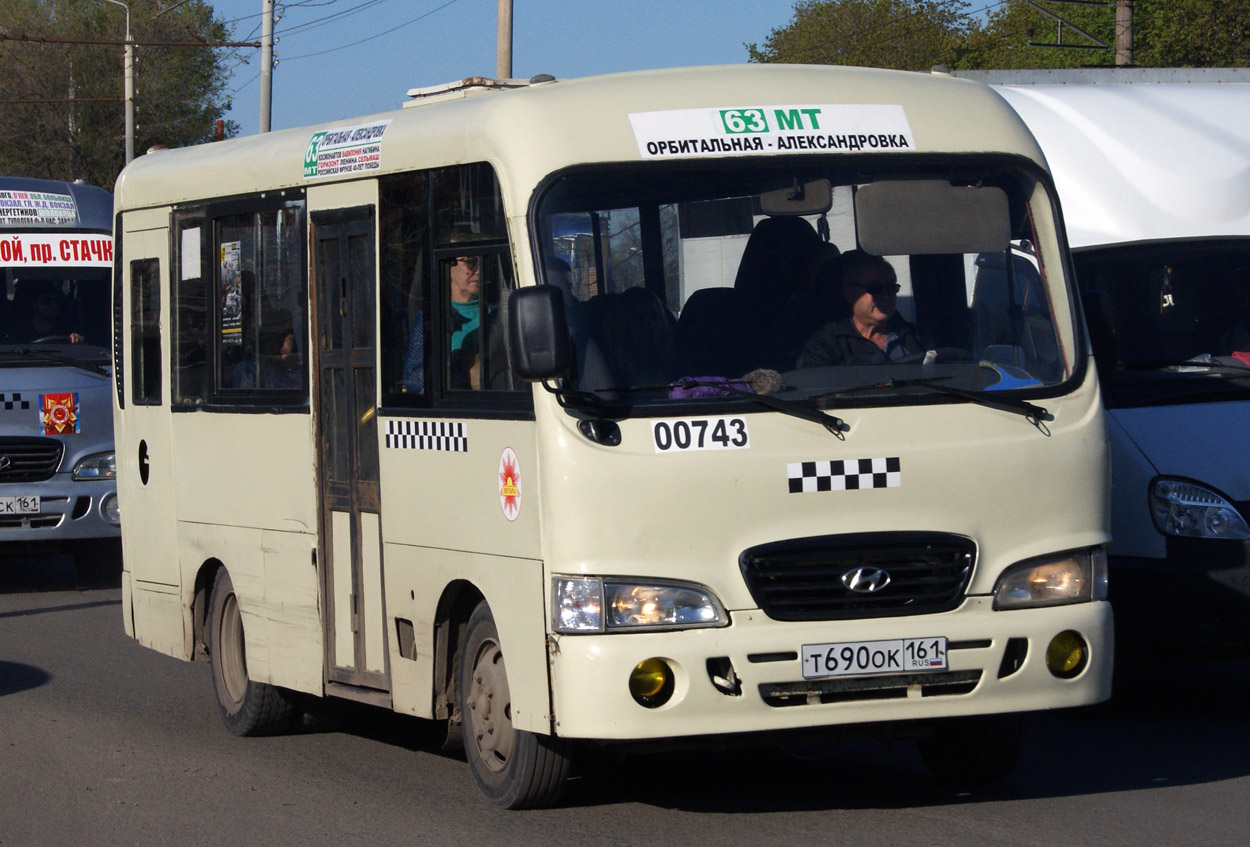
pixel 509 484
pixel 59 413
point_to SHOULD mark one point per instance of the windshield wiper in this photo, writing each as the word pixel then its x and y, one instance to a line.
pixel 1031 412
pixel 832 423
pixel 1195 366
pixel 95 366
pixel 591 401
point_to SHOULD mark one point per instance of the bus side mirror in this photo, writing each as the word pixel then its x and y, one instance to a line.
pixel 538 333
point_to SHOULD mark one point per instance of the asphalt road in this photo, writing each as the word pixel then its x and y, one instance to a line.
pixel 105 743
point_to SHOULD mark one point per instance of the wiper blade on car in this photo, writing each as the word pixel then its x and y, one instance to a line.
pixel 1198 364
pixel 832 423
pixel 1033 413
pixel 94 366
pixel 591 401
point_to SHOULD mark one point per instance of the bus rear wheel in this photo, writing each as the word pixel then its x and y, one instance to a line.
pixel 247 707
pixel 513 768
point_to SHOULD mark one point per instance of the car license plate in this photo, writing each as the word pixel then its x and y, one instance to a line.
pixel 19 505
pixel 900 655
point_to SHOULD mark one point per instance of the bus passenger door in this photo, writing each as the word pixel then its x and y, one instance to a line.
pixel 144 449
pixel 351 532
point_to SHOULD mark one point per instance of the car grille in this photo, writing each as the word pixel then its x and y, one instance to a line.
pixel 813 692
pixel 803 579
pixel 29 459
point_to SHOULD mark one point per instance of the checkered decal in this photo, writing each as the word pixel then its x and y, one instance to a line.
pixel 427 435
pixel 844 475
pixel 13 401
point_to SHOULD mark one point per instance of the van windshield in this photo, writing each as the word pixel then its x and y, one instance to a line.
pixel 1169 321
pixel 52 314
pixel 829 284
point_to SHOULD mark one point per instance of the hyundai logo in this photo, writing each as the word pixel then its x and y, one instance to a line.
pixel 865 580
pixel 5 461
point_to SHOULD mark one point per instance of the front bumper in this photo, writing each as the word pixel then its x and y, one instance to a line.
pixel 68 511
pixel 996 664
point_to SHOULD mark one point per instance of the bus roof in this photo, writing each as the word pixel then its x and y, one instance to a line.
pixel 1139 161
pixel 533 130
pixel 32 204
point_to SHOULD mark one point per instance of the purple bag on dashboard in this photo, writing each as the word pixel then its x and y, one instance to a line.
pixel 690 387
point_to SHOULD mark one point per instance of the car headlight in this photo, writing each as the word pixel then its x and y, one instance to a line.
pixel 1075 577
pixel 98 466
pixel 1188 509
pixel 597 604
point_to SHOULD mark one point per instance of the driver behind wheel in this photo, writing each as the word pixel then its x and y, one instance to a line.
pixel 874 332
pixel 41 313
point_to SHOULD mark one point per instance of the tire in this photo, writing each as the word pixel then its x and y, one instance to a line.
pixel 247 707
pixel 974 751
pixel 513 768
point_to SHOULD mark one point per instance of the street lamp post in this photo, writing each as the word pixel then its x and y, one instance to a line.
pixel 130 85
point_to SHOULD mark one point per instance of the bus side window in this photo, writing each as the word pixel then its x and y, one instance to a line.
pixel 403 256
pixel 145 329
pixel 190 313
pixel 446 273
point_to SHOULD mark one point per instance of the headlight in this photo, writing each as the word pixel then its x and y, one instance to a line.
pixel 1076 577
pixel 1194 511
pixel 595 604
pixel 99 466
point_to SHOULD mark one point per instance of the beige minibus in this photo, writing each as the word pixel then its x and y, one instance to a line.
pixel 658 407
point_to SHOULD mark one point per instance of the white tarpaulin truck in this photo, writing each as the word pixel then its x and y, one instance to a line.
pixel 1153 173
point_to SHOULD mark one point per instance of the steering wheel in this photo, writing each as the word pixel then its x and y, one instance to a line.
pixel 53 339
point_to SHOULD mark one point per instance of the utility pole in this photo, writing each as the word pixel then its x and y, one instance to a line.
pixel 266 63
pixel 129 85
pixel 1123 33
pixel 503 53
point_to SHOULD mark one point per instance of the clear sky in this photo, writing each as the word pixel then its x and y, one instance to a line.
pixel 323 74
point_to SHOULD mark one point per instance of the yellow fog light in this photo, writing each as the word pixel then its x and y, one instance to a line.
pixel 1067 654
pixel 651 683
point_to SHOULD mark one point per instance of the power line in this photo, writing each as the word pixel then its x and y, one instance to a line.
pixel 375 36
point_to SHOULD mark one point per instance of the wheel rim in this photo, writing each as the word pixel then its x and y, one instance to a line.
pixel 231 652
pixel 491 707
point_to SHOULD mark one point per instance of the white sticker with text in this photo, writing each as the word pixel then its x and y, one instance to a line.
pixel 770 130
pixel 676 435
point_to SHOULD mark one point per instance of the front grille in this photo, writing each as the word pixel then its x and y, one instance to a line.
pixel 802 579
pixel 896 687
pixel 29 459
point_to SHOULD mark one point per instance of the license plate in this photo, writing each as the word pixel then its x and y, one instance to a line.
pixel 19 505
pixel 900 655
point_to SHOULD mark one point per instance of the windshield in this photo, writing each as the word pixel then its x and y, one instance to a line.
pixel 832 284
pixel 62 312
pixel 1170 321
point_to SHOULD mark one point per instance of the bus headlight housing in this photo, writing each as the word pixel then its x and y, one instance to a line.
pixel 615 604
pixel 96 466
pixel 1075 577
pixel 1190 510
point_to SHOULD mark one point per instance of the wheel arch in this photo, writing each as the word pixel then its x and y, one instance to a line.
pixel 459 599
pixel 200 597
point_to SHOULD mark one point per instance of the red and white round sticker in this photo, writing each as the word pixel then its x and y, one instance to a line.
pixel 509 484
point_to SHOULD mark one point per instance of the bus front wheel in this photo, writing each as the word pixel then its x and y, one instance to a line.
pixel 513 768
pixel 247 707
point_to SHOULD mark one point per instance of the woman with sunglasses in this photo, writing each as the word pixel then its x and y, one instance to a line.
pixel 874 332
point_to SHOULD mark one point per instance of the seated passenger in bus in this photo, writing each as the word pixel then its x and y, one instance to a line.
pixel 279 365
pixel 464 328
pixel 874 333
pixel 41 313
